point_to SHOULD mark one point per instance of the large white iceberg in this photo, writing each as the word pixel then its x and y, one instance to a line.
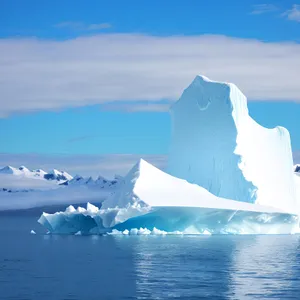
pixel 217 145
pixel 227 174
pixel 150 198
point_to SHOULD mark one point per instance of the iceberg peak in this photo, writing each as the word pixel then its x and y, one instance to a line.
pixel 217 145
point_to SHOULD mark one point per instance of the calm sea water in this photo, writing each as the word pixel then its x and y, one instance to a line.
pixel 144 267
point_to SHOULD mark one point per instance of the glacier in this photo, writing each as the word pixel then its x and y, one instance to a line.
pixel 226 175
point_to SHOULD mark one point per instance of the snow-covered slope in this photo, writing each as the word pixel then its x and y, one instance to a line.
pixel 58 175
pixel 217 145
pixel 146 185
pixel 24 180
pixel 23 171
pixel 22 191
pixel 100 182
pixel 21 188
pixel 53 175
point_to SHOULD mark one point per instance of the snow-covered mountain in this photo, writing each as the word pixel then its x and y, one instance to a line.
pixel 22 179
pixel 100 182
pixel 53 175
pixel 21 188
pixel 58 175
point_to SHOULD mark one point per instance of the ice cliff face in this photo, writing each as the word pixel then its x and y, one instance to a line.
pixel 217 145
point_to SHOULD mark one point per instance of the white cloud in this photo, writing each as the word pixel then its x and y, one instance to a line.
pixel 259 9
pixel 85 165
pixel 48 75
pixel 140 106
pixel 82 26
pixel 293 14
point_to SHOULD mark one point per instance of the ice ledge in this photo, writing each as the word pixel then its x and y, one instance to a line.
pixel 149 186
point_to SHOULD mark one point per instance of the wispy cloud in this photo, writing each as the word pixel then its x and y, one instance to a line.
pixel 259 9
pixel 48 75
pixel 82 26
pixel 85 165
pixel 139 106
pixel 293 14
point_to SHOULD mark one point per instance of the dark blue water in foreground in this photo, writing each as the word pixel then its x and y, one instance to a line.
pixel 144 267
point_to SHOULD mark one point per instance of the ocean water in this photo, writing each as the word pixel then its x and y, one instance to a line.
pixel 144 267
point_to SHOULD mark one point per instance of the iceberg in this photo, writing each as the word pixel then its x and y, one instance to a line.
pixel 226 175
pixel 152 199
pixel 217 145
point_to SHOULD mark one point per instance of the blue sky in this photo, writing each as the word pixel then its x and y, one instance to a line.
pixel 97 77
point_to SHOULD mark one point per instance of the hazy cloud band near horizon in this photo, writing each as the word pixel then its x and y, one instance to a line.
pixel 38 74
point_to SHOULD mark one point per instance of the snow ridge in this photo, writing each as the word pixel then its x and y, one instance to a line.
pixel 54 174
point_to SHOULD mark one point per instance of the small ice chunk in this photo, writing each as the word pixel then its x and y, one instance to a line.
pixel 70 209
pixel 32 231
pixel 91 209
pixel 143 231
pixel 156 231
pixel 78 233
pixel 81 209
pixel 115 232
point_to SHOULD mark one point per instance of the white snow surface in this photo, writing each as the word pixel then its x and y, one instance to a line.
pixel 60 175
pixel 148 186
pixel 22 177
pixel 23 171
pixel 217 145
pixel 23 183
